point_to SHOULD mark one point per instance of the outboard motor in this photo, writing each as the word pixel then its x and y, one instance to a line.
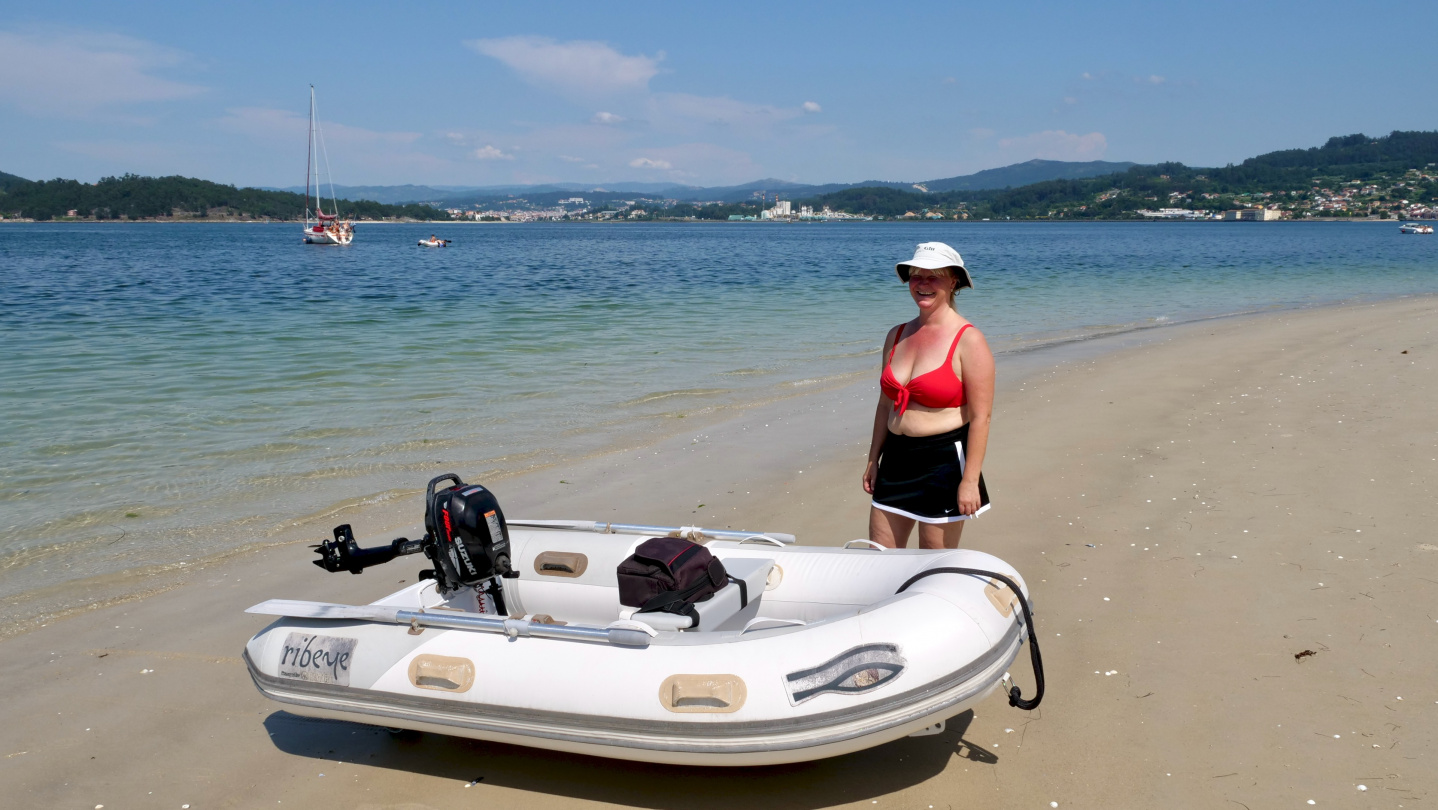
pixel 465 537
pixel 471 541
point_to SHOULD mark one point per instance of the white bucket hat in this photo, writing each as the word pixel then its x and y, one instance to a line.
pixel 936 256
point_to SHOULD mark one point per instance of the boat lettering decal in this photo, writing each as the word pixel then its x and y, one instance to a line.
pixel 316 658
pixel 854 672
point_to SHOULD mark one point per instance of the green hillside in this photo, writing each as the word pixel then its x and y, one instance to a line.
pixel 1354 175
pixel 135 197
pixel 1023 174
pixel 9 180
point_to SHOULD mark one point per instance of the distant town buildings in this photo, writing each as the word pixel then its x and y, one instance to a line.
pixel 1252 215
pixel 1401 195
pixel 1173 213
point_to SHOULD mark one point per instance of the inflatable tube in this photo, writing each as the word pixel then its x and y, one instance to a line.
pixel 811 653
pixel 434 243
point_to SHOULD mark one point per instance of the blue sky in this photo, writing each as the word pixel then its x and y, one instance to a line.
pixel 707 94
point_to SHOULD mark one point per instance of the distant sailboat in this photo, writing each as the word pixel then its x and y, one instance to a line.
pixel 322 228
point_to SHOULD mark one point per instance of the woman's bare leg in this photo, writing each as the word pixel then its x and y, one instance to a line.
pixel 941 535
pixel 889 529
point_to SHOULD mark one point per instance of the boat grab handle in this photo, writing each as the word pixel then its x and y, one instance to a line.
pixel 631 624
pixel 714 694
pixel 872 545
pixel 761 538
pixel 1015 697
pixel 757 619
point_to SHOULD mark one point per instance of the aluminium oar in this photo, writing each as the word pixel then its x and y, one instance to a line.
pixel 450 620
pixel 686 532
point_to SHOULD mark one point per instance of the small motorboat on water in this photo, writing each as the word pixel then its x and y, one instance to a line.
pixel 806 652
pixel 1415 227
pixel 432 242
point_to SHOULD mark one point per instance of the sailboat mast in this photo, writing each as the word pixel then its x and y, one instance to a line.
pixel 309 155
pixel 322 153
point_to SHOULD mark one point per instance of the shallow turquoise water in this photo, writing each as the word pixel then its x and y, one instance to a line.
pixel 216 380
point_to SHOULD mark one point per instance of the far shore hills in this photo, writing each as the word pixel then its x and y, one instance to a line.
pixel 1353 177
pixel 619 222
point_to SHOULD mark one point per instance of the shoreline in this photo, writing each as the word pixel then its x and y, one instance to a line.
pixel 243 221
pixel 23 611
pixel 1192 507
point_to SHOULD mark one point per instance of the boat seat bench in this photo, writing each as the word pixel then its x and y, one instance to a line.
pixel 726 609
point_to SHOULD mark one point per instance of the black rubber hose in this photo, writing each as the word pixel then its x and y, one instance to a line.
pixel 1015 698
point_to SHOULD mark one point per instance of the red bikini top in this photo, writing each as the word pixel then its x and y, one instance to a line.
pixel 940 388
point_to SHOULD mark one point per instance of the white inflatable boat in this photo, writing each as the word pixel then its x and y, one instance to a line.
pixel 808 652
pixel 434 243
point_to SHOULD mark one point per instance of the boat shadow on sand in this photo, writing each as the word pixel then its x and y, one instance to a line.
pixel 863 775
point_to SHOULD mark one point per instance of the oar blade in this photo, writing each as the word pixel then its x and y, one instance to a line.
pixel 298 609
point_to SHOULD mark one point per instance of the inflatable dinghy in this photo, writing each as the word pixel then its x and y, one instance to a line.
pixel 807 652
pixel 434 243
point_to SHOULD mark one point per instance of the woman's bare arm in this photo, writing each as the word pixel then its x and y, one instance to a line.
pixel 978 367
pixel 881 424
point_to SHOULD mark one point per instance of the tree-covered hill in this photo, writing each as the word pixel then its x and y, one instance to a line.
pixel 1354 175
pixel 1023 174
pixel 8 180
pixel 1398 149
pixel 135 197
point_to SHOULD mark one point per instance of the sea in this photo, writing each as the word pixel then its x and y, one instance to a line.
pixel 171 391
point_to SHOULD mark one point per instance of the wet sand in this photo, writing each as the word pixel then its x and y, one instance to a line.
pixel 1193 508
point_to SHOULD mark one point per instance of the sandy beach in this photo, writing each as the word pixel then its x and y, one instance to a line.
pixel 1227 527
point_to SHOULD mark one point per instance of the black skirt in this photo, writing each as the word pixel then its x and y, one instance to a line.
pixel 919 477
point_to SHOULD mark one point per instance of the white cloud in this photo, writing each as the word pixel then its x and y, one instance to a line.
pixel 1056 144
pixel 571 159
pixel 491 153
pixel 578 65
pixel 1155 79
pixel 1070 100
pixel 73 74
pixel 635 127
pixel 689 162
pixel 1086 76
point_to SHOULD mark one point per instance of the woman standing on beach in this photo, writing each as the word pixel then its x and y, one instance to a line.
pixel 931 432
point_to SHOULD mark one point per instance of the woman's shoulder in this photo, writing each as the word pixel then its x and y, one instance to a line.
pixel 971 338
